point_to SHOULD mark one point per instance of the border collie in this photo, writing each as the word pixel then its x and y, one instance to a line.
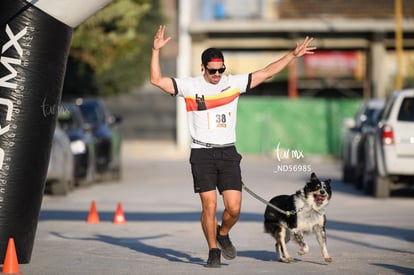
pixel 306 212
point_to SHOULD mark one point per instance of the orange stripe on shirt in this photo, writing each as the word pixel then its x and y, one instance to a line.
pixel 211 101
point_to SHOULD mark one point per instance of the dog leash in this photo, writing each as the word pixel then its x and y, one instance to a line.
pixel 287 213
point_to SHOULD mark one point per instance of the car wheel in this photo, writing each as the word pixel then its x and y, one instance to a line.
pixel 117 174
pixel 382 187
pixel 60 188
pixel 367 185
pixel 90 176
pixel 347 173
pixel 359 174
pixel 72 184
pixel 367 180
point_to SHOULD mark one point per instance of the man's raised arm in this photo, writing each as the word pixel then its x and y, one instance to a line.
pixel 156 78
pixel 275 67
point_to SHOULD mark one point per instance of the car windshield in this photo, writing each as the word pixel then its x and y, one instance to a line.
pixel 407 110
pixel 92 113
pixel 66 119
pixel 370 117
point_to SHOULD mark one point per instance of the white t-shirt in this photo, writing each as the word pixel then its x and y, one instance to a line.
pixel 212 108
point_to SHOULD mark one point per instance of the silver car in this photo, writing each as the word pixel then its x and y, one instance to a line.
pixel 390 149
pixel 60 173
pixel 354 136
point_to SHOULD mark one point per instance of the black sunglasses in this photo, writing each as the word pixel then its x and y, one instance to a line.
pixel 214 71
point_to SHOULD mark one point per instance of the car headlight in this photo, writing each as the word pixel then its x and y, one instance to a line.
pixel 78 147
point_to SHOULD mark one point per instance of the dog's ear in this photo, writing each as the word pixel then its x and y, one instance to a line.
pixel 313 177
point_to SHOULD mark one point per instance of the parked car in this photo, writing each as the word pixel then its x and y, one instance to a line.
pixel 60 173
pixel 351 150
pixel 106 134
pixel 389 149
pixel 366 132
pixel 81 142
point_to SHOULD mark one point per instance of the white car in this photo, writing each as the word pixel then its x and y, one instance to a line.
pixel 389 150
pixel 60 177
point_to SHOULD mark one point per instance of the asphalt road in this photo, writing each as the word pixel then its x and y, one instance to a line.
pixel 162 233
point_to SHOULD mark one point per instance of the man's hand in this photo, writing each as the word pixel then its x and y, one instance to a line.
pixel 159 40
pixel 304 48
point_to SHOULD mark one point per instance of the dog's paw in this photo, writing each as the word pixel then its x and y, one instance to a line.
pixel 286 259
pixel 328 260
pixel 303 250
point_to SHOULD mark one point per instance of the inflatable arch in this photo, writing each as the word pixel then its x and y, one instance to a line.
pixel 35 38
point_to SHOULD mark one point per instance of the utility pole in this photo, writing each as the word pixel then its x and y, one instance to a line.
pixel 183 69
pixel 398 43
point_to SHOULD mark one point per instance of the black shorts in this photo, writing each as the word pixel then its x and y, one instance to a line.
pixel 216 168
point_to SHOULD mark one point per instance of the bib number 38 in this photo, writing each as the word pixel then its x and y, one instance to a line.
pixel 218 120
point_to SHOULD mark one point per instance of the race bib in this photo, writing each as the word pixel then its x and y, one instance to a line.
pixel 218 120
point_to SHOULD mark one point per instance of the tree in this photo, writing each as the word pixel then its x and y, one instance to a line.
pixel 110 51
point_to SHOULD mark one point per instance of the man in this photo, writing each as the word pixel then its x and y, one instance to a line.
pixel 211 103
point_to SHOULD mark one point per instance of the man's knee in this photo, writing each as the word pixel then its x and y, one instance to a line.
pixel 234 211
pixel 232 201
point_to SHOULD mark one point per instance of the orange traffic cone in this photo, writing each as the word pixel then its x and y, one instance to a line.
pixel 119 217
pixel 93 216
pixel 10 263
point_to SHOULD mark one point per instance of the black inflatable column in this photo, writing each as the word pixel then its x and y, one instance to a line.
pixel 34 50
pixel 35 37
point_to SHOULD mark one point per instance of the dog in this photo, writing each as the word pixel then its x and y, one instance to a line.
pixel 306 213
